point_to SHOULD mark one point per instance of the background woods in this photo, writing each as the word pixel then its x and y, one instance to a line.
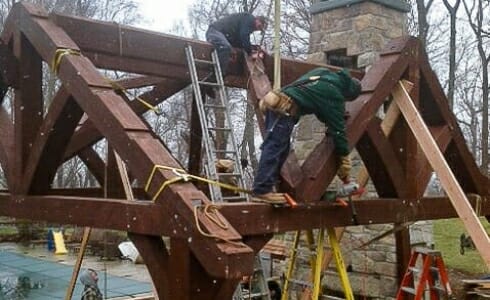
pixel 456 34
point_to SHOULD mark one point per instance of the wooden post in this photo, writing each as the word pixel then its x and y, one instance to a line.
pixel 78 263
pixel 441 167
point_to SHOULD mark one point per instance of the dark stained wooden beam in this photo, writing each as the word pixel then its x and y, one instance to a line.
pixel 94 163
pixel 457 155
pixel 88 134
pixel 49 146
pixel 248 218
pixel 251 219
pixel 320 166
pixel 6 144
pixel 10 66
pixel 156 257
pixel 381 161
pixel 28 106
pixel 132 138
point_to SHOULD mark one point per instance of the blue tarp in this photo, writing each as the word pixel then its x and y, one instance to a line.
pixel 24 277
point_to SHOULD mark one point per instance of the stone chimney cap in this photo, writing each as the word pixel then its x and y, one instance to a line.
pixel 325 5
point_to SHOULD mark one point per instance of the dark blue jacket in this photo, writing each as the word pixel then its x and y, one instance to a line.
pixel 237 29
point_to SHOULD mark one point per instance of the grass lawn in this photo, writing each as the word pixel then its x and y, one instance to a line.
pixel 446 238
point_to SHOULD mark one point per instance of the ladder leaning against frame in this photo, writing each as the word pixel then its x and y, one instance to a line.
pixel 258 289
pixel 206 112
pixel 316 253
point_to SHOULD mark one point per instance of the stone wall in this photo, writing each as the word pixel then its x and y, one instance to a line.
pixel 362 28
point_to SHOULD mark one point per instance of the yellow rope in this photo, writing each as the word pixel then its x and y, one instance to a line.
pixel 208 210
pixel 181 175
pixel 120 89
pixel 59 54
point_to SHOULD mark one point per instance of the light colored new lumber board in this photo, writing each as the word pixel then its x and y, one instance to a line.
pixel 448 180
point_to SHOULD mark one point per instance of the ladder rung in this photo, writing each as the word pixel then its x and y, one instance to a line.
pixel 439 288
pixel 223 151
pixel 414 270
pixel 219 128
pixel 300 282
pixel 214 106
pixel 228 174
pixel 209 83
pixel 330 297
pixel 257 295
pixel 428 251
pixel 206 62
pixel 408 290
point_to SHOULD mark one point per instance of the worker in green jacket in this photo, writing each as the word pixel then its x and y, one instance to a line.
pixel 320 92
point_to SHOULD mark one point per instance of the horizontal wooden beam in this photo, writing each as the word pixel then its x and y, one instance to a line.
pixel 140 217
pixel 247 218
pixel 250 219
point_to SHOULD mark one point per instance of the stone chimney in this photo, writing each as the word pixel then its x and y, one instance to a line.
pixel 351 33
pixel 355 29
pixel 348 33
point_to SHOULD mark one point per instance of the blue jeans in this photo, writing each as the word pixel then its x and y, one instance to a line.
pixel 275 150
pixel 222 46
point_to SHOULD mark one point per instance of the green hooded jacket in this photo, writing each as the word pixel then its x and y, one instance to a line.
pixel 324 96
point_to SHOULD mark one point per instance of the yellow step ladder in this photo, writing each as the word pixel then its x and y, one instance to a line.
pixel 316 259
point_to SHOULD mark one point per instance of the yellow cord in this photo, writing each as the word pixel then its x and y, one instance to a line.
pixel 209 210
pixel 59 54
pixel 181 175
pixel 119 88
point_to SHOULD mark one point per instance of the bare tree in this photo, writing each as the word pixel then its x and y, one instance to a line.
pixel 477 12
pixel 453 10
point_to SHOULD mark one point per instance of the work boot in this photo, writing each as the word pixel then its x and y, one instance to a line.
pixel 349 188
pixel 270 198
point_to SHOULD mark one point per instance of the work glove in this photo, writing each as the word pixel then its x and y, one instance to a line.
pixel 345 166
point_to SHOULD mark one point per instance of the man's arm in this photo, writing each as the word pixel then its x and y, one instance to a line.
pixel 333 117
pixel 246 28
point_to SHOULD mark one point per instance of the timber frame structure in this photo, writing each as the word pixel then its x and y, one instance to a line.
pixel 87 109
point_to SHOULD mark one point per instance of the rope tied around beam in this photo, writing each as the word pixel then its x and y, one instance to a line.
pixel 211 212
pixel 182 175
pixel 119 89
pixel 58 56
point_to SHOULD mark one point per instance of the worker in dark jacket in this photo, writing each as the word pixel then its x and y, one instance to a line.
pixel 233 31
pixel 320 92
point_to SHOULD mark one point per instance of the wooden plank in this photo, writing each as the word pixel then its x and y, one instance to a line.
pixel 180 268
pixel 78 263
pixel 440 166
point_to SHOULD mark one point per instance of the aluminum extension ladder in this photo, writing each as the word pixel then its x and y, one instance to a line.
pixel 207 117
pixel 316 253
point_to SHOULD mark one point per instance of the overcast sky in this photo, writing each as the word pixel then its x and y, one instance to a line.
pixel 162 14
